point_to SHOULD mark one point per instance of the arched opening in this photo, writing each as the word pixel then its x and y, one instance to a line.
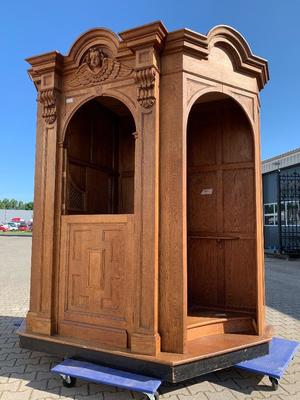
pixel 99 159
pixel 220 218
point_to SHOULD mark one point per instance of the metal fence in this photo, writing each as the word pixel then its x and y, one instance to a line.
pixel 289 215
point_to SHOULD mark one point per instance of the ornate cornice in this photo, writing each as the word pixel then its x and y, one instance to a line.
pixel 47 98
pixel 145 79
pixel 152 34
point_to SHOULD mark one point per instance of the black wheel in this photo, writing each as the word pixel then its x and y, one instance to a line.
pixel 68 381
pixel 274 382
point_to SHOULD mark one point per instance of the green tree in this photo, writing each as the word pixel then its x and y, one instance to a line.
pixel 6 203
pixel 13 204
pixel 21 205
pixel 29 205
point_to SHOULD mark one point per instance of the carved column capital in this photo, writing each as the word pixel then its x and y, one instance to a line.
pixel 145 79
pixel 47 97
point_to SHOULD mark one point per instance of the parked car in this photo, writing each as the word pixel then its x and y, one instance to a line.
pixel 17 221
pixel 3 228
pixel 12 226
pixel 23 227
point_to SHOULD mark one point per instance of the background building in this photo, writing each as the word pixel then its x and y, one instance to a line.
pixel 7 215
pixel 281 189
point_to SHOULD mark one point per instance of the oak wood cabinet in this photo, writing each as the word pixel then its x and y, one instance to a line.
pixel 147 240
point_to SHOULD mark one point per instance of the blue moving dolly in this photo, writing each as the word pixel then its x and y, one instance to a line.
pixel 71 369
pixel 275 363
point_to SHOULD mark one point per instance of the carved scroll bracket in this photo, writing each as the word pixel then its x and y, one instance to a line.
pixel 47 98
pixel 145 79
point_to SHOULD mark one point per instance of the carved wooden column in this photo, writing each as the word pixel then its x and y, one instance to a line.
pixel 146 44
pixel 44 72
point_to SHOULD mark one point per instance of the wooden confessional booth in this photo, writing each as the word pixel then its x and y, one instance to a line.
pixel 147 245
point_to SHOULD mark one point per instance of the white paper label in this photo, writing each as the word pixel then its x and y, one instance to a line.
pixel 206 192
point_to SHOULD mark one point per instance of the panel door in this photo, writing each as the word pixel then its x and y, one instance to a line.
pixel 96 278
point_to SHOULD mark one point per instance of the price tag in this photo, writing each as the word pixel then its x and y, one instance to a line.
pixel 205 192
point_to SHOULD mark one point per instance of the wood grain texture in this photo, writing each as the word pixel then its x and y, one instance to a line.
pixel 148 191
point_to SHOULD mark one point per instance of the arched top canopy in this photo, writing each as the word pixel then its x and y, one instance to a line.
pixel 224 37
pixel 235 44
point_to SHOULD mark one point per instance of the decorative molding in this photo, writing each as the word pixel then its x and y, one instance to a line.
pixel 97 67
pixel 246 101
pixel 145 78
pixel 47 97
pixel 195 86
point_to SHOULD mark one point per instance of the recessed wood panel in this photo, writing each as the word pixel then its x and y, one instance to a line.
pixel 202 143
pixel 203 271
pixel 98 192
pixel 240 277
pixel 238 194
pixel 202 202
pixel 237 136
pixel 126 193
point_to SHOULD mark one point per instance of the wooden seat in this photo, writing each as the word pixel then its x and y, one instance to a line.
pixel 211 322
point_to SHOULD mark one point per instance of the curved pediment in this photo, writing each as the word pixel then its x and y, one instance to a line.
pixel 223 37
pixel 238 50
pixel 98 38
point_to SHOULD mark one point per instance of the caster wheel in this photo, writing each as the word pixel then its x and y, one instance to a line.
pixel 68 381
pixel 274 382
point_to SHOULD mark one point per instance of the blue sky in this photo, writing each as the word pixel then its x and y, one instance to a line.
pixel 32 27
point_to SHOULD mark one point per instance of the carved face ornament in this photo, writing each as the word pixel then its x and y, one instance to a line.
pixel 94 59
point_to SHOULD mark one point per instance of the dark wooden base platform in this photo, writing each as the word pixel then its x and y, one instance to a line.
pixel 168 367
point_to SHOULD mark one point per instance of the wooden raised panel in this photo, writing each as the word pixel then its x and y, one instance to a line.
pixel 95 272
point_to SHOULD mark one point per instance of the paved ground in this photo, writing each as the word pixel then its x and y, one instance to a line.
pixel 25 375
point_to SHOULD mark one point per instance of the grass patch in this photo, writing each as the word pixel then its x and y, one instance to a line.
pixel 15 233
